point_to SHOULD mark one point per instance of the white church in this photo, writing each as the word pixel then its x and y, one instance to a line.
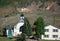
pixel 19 26
pixel 16 29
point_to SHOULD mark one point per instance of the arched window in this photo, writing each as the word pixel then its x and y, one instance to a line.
pixel 21 29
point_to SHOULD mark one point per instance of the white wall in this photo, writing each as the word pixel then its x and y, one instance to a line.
pixel 16 29
pixel 51 33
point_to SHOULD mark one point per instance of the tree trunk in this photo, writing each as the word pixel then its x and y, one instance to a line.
pixel 39 38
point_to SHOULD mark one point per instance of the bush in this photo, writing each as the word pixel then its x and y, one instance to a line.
pixel 21 37
pixel 6 15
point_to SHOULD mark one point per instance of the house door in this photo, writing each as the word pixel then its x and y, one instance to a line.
pixel 9 33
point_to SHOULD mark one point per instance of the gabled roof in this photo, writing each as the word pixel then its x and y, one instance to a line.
pixel 52 26
pixel 9 26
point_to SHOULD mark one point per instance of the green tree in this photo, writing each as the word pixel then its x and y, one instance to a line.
pixel 27 27
pixel 4 2
pixel 39 27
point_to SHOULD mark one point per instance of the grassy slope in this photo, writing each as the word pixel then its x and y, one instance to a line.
pixel 5 39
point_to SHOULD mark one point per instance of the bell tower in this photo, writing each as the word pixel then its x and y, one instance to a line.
pixel 21 18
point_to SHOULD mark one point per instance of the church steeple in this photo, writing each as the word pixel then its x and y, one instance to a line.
pixel 21 17
pixel 22 14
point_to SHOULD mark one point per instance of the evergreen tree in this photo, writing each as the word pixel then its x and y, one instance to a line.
pixel 4 2
pixel 27 27
pixel 39 27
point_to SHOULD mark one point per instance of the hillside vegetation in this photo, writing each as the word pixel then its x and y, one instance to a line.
pixel 8 7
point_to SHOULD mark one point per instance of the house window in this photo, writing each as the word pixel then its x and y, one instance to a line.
pixel 46 36
pixel 46 30
pixel 55 36
pixel 55 30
